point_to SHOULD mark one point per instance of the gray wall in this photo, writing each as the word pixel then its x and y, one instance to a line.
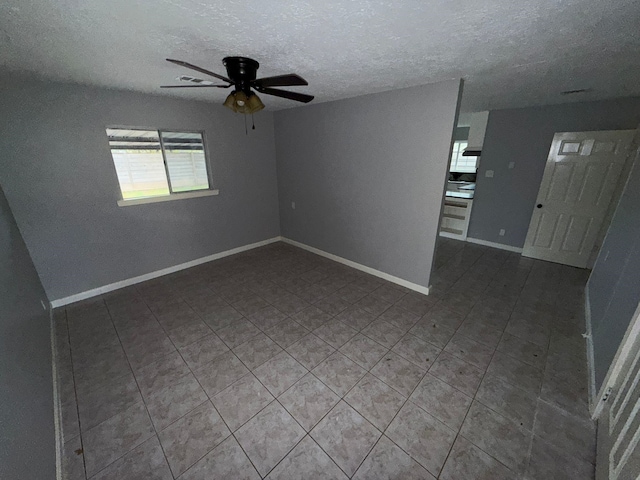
pixel 58 176
pixel 614 285
pixel 524 136
pixel 27 445
pixel 367 176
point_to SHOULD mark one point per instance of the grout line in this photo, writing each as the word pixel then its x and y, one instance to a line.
pixel 282 272
pixel 141 396
pixel 75 391
pixel 473 398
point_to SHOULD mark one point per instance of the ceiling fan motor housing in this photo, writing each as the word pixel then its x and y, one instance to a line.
pixel 242 71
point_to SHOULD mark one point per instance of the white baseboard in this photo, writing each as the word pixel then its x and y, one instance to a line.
pixel 358 266
pixel 501 246
pixel 452 235
pixel 57 402
pixel 158 273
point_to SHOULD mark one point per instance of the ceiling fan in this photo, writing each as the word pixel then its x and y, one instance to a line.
pixel 241 74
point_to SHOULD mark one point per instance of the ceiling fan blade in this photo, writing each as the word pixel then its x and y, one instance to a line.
pixel 198 69
pixel 298 97
pixel 195 86
pixel 281 81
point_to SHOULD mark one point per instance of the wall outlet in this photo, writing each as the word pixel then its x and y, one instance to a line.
pixel 293 205
pixel 512 164
pixel 488 174
pixel 502 232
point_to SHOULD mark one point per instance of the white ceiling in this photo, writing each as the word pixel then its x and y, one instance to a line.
pixel 510 53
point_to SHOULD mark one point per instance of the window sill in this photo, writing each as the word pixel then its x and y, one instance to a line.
pixel 167 198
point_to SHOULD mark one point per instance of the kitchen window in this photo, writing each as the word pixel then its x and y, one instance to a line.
pixel 158 165
pixel 459 163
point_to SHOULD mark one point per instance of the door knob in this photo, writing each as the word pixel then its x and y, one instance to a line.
pixel 539 205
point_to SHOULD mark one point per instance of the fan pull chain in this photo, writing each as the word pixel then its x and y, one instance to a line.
pixel 253 122
pixel 245 125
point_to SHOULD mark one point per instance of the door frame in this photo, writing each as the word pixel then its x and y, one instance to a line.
pixel 598 399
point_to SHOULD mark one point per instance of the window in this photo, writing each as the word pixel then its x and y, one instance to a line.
pixel 458 162
pixel 158 163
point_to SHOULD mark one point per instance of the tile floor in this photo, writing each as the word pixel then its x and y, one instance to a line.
pixel 277 363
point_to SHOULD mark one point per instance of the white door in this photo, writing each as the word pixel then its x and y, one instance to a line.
pixel 618 455
pixel 578 184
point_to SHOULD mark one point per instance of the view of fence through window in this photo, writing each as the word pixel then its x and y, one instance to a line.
pixel 152 163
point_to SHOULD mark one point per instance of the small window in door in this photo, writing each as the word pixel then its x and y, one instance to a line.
pixel 156 163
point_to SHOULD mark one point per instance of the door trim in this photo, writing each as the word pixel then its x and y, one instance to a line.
pixel 591 368
pixel 619 361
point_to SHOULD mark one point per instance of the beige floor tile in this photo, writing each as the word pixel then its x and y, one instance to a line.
pixel 468 462
pixel 310 351
pixel 192 437
pixel 221 372
pixel 279 373
pixel 346 436
pixel 269 436
pixel 398 373
pixel 422 436
pixel 339 373
pixel 227 460
pixel 115 437
pixel 364 351
pixel 308 401
pixel 457 373
pixel 498 436
pixel 241 401
pixel 172 402
pixel 417 351
pixel 146 460
pixel 442 401
pixel 508 400
pixel 307 461
pixel 375 400
pixel 257 350
pixel 387 460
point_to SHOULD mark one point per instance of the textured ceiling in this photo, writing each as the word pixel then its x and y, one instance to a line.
pixel 510 53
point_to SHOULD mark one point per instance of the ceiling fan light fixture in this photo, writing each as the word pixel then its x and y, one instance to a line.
pixel 239 102
pixel 254 103
pixel 230 102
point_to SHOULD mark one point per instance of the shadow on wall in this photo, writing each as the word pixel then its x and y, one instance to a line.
pixel 614 285
pixel 27 445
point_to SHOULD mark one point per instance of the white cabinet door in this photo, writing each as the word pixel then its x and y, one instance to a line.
pixel 580 178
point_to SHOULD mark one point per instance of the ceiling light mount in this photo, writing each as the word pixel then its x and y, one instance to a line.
pixel 242 71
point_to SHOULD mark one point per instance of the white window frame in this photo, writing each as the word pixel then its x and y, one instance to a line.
pixel 122 202
pixel 458 150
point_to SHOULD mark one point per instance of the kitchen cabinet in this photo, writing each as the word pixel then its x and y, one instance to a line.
pixel 455 217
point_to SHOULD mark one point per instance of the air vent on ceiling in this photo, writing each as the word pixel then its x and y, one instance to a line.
pixel 572 92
